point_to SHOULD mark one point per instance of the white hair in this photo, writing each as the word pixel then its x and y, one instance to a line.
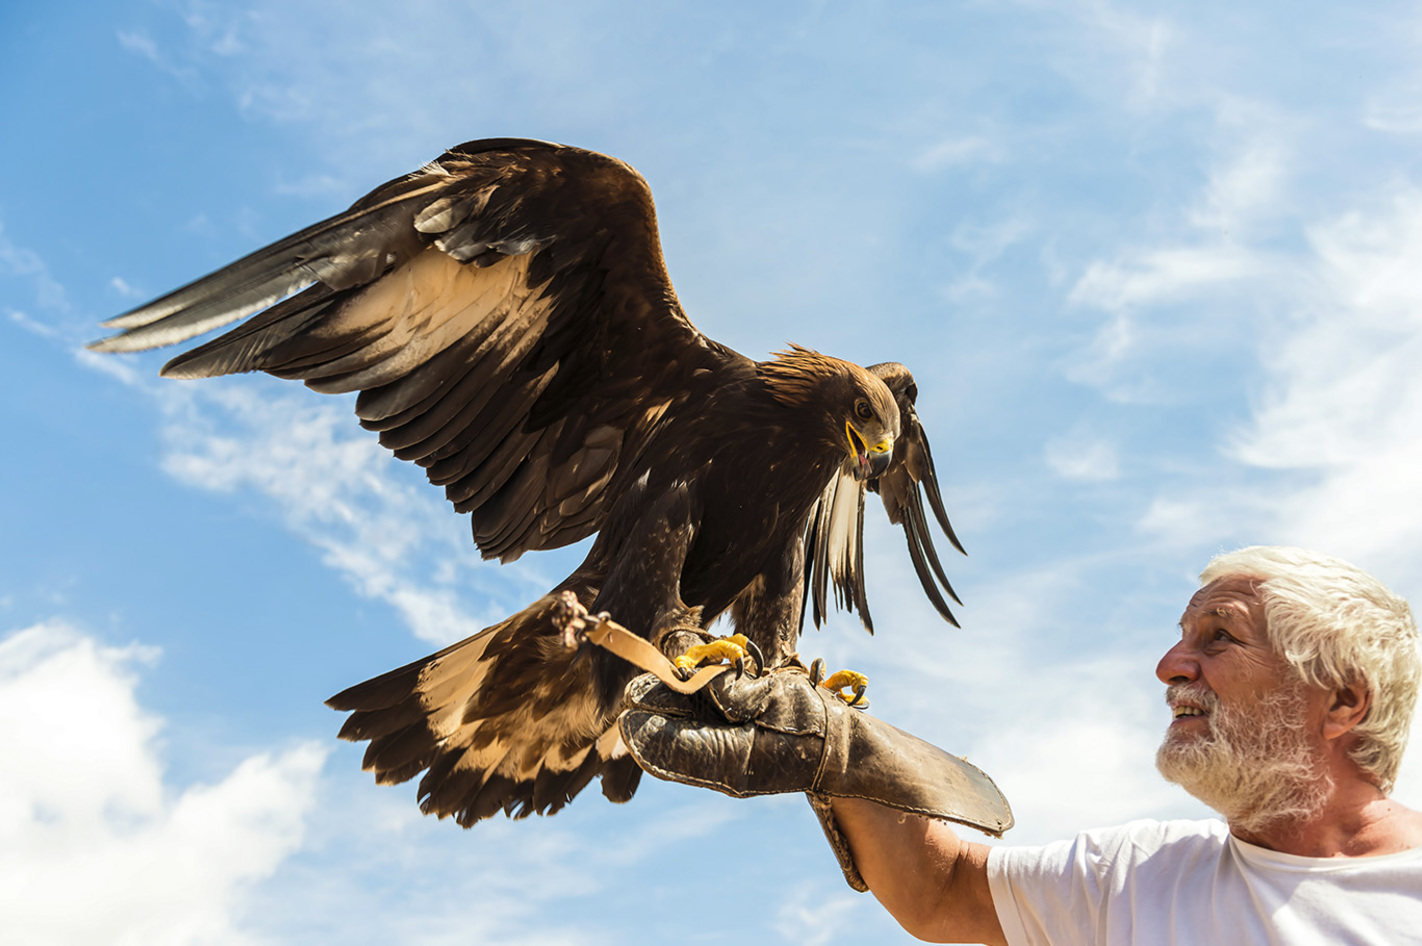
pixel 1337 625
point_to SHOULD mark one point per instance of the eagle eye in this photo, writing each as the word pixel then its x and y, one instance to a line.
pixel 862 408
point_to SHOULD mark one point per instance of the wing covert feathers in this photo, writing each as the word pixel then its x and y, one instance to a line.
pixel 504 313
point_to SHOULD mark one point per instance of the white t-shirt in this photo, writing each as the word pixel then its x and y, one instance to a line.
pixel 1180 883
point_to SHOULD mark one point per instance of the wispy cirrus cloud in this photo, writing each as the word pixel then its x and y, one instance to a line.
pixel 957 151
pixel 1205 251
pixel 1343 400
pixel 374 521
pixel 1340 406
pixel 391 536
pixel 813 916
pixel 1083 457
pixel 19 262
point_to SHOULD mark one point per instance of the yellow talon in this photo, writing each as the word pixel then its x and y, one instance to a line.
pixel 731 648
pixel 838 682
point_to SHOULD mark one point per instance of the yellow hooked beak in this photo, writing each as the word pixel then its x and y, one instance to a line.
pixel 869 461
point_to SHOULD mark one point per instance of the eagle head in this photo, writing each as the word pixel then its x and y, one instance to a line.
pixel 858 410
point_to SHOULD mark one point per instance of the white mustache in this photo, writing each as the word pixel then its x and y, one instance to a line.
pixel 1195 694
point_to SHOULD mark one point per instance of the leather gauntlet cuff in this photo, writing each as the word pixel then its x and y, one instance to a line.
pixel 781 733
pixel 837 841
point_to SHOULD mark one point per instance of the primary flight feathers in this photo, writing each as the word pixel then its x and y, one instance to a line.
pixel 507 318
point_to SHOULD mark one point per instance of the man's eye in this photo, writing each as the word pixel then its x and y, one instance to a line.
pixel 1222 635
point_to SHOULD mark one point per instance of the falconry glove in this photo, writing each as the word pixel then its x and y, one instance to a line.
pixel 779 732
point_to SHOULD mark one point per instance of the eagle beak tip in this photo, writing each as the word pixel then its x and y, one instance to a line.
pixel 878 463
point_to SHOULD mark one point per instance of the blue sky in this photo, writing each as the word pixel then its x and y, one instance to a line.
pixel 1155 268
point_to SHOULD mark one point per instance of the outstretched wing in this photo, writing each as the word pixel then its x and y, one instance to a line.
pixel 504 312
pixel 834 539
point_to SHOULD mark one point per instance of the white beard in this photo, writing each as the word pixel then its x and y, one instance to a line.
pixel 1256 766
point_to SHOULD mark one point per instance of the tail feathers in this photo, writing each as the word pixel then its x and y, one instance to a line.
pixel 620 778
pixel 502 721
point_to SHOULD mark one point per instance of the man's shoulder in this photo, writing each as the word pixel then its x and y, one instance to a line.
pixel 1118 847
pixel 1150 832
pixel 1147 835
pixel 1079 882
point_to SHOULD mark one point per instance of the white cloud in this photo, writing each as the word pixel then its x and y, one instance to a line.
pixel 1209 277
pixel 1155 276
pixel 352 79
pixel 1116 47
pixel 120 370
pixel 377 524
pixel 1249 185
pixel 955 152
pixel 1209 516
pixel 124 290
pixel 813 916
pixel 141 43
pixel 34 327
pixel 1083 458
pixel 137 41
pixel 1399 117
pixel 17 261
pixel 1192 274
pixel 1144 41
pixel 338 489
pixel 1336 434
pixel 1085 755
pixel 94 846
pixel 983 245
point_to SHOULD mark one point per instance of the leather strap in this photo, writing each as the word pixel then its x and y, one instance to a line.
pixel 640 652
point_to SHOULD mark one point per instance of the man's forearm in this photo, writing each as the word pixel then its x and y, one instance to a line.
pixel 929 879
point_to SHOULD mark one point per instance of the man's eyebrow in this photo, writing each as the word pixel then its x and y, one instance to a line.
pixel 1224 614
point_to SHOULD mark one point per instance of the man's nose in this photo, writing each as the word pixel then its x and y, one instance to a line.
pixel 1177 666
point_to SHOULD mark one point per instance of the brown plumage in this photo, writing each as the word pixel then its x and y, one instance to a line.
pixel 506 316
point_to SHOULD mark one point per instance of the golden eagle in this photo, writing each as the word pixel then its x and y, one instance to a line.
pixel 506 316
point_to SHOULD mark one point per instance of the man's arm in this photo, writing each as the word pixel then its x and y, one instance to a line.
pixel 780 732
pixel 931 881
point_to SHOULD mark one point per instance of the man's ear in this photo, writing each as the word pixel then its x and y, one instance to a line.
pixel 1348 708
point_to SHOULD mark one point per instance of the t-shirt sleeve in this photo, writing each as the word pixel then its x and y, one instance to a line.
pixel 1051 894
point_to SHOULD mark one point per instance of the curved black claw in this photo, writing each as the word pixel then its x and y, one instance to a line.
pixel 817 671
pixel 755 652
pixel 740 666
pixel 684 673
pixel 858 695
pixel 580 657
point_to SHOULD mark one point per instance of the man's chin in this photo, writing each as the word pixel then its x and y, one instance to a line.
pixel 1251 790
pixel 1184 758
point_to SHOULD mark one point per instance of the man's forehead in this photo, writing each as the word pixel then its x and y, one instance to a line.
pixel 1232 598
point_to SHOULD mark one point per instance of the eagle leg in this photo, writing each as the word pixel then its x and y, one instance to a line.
pixel 837 682
pixel 571 619
pixel 734 648
pixel 841 680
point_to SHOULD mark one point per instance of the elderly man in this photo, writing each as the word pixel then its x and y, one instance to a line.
pixel 1292 689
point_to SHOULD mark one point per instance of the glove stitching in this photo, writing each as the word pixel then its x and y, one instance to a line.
pixel 825 742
